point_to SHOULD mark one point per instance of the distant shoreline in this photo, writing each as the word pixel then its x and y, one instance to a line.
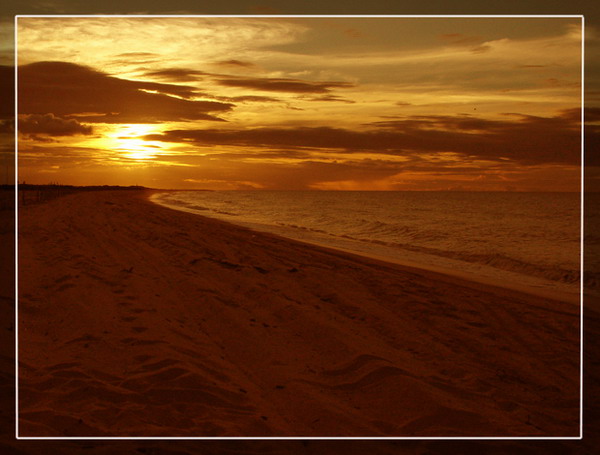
pixel 28 186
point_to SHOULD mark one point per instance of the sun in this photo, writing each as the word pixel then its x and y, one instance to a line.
pixel 127 141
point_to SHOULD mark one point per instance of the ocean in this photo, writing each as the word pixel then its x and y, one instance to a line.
pixel 527 239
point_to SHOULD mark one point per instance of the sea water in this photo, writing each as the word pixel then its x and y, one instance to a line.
pixel 523 238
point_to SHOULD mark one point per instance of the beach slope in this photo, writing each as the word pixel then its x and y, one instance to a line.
pixel 138 320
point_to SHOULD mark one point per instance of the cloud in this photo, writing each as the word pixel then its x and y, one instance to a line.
pixel 236 63
pixel 531 66
pixel 269 154
pixel 445 122
pixel 286 176
pixel 282 85
pixel 353 33
pixel 176 74
pixel 68 89
pixel 416 173
pixel 523 138
pixel 50 125
pixel 257 99
pixel 474 43
pixel 520 138
pixel 481 49
pixel 334 98
pixel 183 41
pixel 137 55
pixel 460 39
pixel 225 184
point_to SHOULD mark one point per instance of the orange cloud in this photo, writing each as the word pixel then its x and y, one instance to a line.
pixel 50 125
pixel 65 89
pixel 526 139
pixel 282 85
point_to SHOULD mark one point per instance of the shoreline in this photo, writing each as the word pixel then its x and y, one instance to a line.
pixel 533 288
pixel 163 323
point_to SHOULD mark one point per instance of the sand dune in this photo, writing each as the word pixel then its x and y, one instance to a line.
pixel 137 320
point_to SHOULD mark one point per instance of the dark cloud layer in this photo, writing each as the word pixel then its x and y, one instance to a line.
pixel 567 120
pixel 282 85
pixel 66 89
pixel 50 125
pixel 525 139
pixel 251 99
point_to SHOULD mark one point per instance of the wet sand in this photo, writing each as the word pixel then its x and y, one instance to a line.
pixel 138 320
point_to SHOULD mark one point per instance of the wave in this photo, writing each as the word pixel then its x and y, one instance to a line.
pixel 496 260
pixel 486 240
pixel 366 230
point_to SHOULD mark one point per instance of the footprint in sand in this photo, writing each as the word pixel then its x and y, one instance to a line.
pixel 141 310
pixel 142 358
pixel 64 282
pixel 62 279
pixel 63 366
pixel 139 342
pixel 83 339
pixel 363 371
pixel 65 286
pixel 354 365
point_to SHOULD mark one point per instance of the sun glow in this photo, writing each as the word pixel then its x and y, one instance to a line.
pixel 127 141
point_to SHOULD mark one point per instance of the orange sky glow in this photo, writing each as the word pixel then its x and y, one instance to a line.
pixel 489 104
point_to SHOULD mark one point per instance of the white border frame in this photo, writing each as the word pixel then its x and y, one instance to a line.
pixel 307 16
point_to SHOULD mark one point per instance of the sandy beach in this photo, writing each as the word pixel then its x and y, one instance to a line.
pixel 138 320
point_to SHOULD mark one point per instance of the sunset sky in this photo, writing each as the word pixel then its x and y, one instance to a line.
pixel 301 103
